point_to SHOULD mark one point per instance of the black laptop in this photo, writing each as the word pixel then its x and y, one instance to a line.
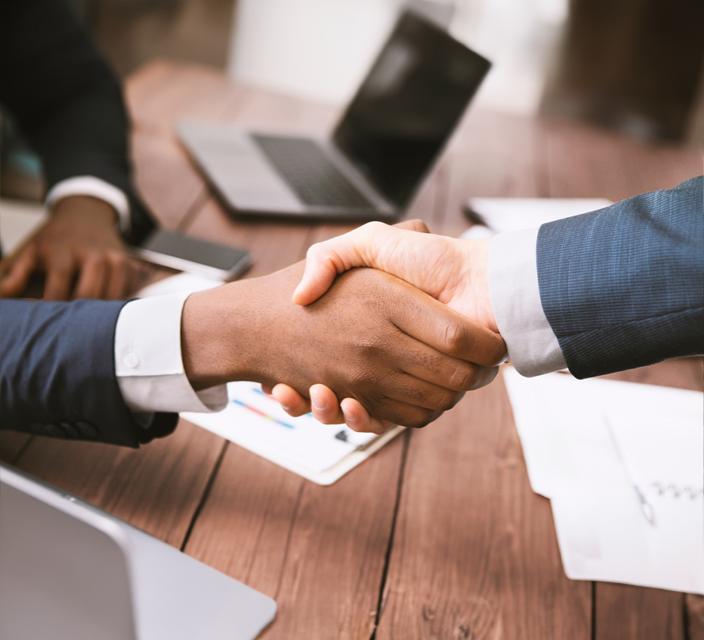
pixel 376 158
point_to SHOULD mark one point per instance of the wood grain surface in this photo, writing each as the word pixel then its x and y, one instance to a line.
pixel 437 536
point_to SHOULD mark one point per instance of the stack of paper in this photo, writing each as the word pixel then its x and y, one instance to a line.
pixel 18 219
pixel 514 214
pixel 623 466
pixel 321 453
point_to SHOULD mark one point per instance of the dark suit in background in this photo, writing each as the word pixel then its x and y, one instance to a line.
pixel 57 368
pixel 66 99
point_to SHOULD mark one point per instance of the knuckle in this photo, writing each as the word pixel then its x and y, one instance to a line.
pixel 374 227
pixel 370 346
pixel 464 377
pixel 446 400
pixel 419 419
pixel 418 225
pixel 117 257
pixel 453 337
pixel 315 251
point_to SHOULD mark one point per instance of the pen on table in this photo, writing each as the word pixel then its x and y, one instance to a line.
pixel 646 508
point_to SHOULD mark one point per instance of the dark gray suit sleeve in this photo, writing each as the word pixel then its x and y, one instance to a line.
pixel 57 373
pixel 624 287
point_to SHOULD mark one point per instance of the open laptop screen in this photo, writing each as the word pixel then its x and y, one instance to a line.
pixel 408 105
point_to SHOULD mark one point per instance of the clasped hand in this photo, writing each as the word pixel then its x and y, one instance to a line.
pixel 451 271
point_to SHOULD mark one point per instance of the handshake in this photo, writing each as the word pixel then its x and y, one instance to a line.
pixel 398 342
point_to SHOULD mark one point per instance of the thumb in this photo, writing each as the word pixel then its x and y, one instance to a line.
pixel 413 225
pixel 325 260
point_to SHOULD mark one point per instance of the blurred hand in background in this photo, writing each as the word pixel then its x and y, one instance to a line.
pixel 79 253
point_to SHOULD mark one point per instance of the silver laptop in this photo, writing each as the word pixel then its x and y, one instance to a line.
pixel 69 571
pixel 376 158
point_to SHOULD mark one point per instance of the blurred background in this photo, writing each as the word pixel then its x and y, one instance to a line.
pixel 636 66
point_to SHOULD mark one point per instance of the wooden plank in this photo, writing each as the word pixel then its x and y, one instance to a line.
pixel 694 614
pixel 493 155
pixel 475 554
pixel 156 488
pixel 159 96
pixel 624 612
pixel 11 444
pixel 586 162
pixel 318 550
pixel 167 181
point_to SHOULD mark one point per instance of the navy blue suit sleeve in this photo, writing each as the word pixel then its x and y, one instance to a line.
pixel 57 373
pixel 624 286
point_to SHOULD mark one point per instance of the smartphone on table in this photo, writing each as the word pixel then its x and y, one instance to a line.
pixel 177 251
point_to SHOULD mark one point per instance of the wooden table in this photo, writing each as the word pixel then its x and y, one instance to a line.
pixel 437 536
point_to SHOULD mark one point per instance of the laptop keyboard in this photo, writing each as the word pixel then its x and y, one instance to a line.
pixel 308 171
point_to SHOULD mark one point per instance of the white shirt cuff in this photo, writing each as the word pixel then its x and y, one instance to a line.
pixel 148 361
pixel 515 295
pixel 97 188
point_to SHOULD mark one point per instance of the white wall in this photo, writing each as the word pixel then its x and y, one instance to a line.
pixel 322 48
pixel 316 48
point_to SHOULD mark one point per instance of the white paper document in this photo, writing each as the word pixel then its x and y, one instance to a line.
pixel 18 219
pixel 623 465
pixel 503 215
pixel 321 453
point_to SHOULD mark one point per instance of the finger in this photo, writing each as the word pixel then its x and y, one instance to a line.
pixel 119 276
pixel 431 365
pixel 325 406
pixel 413 225
pixel 419 393
pixel 93 277
pixel 19 272
pixel 449 332
pixel 402 413
pixel 358 419
pixel 324 260
pixel 290 400
pixel 426 363
pixel 59 276
pixel 485 375
pixel 266 389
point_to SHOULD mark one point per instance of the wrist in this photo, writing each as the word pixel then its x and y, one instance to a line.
pixel 85 208
pixel 219 338
pixel 475 258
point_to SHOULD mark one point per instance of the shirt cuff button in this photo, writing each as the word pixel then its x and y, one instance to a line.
pixel 131 360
